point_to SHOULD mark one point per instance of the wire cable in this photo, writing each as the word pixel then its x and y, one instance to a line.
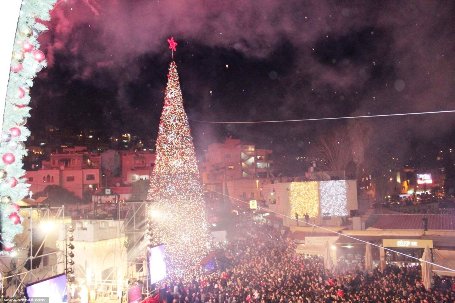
pixel 341 234
pixel 328 118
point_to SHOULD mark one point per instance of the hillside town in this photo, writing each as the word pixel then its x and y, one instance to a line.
pixel 227 152
pixel 103 192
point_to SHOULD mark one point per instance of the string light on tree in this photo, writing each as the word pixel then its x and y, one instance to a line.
pixel 175 189
pixel 304 198
pixel 334 198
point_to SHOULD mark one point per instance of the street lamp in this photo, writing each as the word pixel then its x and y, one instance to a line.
pixel 104 177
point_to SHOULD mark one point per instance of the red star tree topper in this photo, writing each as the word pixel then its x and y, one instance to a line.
pixel 172 44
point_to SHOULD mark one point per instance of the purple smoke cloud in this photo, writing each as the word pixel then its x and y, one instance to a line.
pixel 345 58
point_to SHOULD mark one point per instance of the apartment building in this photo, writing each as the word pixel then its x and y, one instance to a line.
pixel 234 160
pixel 136 165
pixel 74 169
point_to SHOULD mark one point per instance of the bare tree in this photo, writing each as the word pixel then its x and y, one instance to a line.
pixel 332 151
pixel 110 163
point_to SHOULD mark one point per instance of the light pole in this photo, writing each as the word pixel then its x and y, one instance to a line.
pixel 104 177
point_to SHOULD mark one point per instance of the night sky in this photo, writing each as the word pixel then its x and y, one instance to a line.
pixel 245 60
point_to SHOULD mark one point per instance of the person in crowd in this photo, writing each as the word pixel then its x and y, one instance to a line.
pixel 263 267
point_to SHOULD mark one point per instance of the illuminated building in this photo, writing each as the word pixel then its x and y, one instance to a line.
pixel 233 160
pixel 136 165
pixel 319 200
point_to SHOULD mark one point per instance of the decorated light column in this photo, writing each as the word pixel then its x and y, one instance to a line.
pixel 27 61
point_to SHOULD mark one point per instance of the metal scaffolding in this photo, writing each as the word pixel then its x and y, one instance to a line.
pixel 32 260
pixel 37 260
pixel 134 228
pixel 132 216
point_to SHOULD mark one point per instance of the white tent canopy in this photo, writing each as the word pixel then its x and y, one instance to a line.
pixel 444 258
pixel 368 257
pixel 427 273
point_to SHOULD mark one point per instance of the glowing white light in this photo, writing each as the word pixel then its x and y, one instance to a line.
pixel 333 195
pixel 156 263
pixel 88 275
pixel 155 214
pixel 119 283
pixel 47 226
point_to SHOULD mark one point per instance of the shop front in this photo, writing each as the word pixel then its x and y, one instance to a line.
pixel 351 253
pixel 404 252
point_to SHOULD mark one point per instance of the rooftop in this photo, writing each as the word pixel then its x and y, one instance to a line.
pixel 415 221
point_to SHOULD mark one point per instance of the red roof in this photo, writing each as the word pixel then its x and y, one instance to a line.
pixel 438 222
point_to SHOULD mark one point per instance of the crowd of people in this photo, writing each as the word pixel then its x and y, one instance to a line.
pixel 264 267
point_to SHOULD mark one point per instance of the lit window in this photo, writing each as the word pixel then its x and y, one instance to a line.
pixel 262 165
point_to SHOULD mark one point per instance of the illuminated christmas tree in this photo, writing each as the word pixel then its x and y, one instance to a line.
pixel 177 210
